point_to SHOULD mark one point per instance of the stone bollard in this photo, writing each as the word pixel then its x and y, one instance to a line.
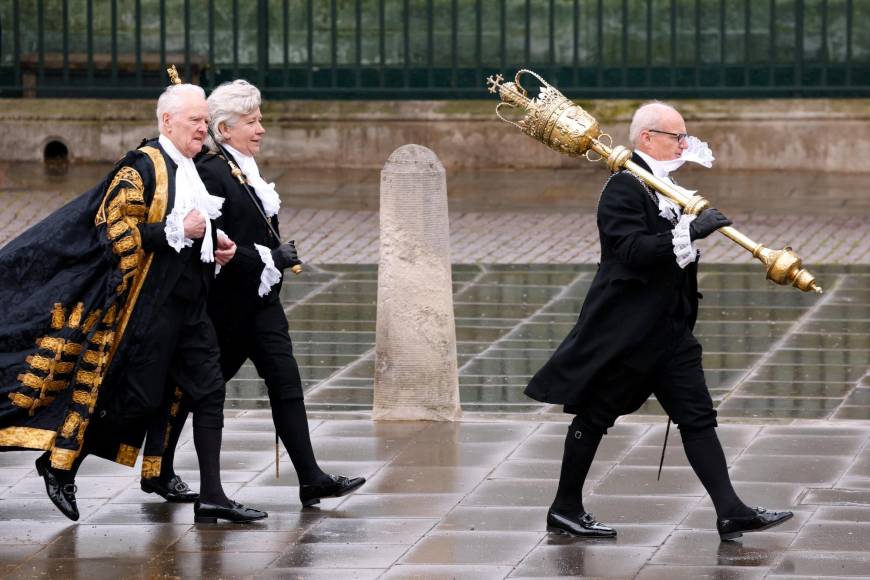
pixel 416 375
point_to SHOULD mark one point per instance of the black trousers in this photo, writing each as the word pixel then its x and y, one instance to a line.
pixel 265 339
pixel 677 381
pixel 180 350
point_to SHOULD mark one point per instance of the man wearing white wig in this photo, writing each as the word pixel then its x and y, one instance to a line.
pixel 634 334
pixel 245 303
pixel 116 310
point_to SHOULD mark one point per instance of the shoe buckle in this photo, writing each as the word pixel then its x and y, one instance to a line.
pixel 70 488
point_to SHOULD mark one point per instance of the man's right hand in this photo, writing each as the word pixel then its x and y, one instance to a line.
pixel 707 222
pixel 194 225
pixel 285 256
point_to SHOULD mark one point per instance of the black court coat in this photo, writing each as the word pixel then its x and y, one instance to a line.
pixel 638 290
pixel 234 295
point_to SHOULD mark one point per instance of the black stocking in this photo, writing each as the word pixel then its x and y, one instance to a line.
pixel 708 460
pixel 580 448
pixel 207 441
pixel 291 423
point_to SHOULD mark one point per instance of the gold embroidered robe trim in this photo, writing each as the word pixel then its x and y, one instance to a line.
pixel 127 455
pixel 63 457
pixel 75 317
pixel 127 207
pixel 151 465
pixel 27 437
pixel 72 422
pixel 58 316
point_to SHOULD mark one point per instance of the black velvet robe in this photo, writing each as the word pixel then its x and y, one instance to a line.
pixel 76 290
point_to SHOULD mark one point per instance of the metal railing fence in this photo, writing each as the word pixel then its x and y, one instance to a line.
pixel 394 49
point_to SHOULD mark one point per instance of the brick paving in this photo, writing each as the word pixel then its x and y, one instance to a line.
pixel 351 237
pixel 514 217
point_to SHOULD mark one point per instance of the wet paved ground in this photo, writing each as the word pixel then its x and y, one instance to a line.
pixel 788 372
pixel 770 352
pixel 461 500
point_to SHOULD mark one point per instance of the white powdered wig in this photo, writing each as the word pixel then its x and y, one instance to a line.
pixel 647 116
pixel 229 102
pixel 172 100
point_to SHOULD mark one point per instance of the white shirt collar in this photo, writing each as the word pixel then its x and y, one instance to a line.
pixel 654 164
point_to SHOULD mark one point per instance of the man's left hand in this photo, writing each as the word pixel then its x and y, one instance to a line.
pixel 707 222
pixel 226 249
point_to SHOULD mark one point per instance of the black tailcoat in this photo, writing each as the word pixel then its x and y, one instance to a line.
pixel 249 326
pixel 638 289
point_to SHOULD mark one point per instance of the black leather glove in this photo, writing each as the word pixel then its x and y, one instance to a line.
pixel 285 256
pixel 707 222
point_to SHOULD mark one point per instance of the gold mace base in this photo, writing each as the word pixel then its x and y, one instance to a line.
pixel 784 267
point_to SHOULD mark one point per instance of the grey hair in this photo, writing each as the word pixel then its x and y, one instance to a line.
pixel 229 102
pixel 647 116
pixel 171 100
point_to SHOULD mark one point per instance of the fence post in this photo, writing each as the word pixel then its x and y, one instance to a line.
pixel 262 42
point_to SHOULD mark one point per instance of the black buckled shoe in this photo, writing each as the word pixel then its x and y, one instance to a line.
pixel 584 526
pixel 209 513
pixel 338 486
pixel 174 490
pixel 731 528
pixel 62 495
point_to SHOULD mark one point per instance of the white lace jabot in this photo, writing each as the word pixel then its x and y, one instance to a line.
pixel 190 194
pixel 265 191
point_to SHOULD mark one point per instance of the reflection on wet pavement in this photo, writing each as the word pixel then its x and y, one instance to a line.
pixel 457 500
pixel 770 352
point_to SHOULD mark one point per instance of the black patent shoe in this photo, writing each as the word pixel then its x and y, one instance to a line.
pixel 337 486
pixel 584 526
pixel 62 495
pixel 209 513
pixel 731 528
pixel 174 490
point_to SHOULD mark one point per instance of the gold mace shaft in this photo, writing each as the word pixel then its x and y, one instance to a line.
pixel 564 126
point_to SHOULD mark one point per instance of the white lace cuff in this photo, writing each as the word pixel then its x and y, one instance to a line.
pixel 217 267
pixel 683 248
pixel 175 231
pixel 270 275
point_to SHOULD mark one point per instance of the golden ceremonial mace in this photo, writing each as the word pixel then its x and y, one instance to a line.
pixel 560 124
pixel 234 169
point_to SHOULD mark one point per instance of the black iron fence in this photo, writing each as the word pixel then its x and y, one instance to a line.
pixel 438 48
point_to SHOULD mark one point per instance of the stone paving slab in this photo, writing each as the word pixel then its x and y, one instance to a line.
pixel 445 500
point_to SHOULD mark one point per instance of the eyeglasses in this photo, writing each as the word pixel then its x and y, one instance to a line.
pixel 680 137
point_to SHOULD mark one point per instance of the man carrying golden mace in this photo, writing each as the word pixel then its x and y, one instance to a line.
pixel 634 334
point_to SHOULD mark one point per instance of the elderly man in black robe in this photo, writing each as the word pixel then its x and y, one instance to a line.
pixel 634 335
pixel 103 314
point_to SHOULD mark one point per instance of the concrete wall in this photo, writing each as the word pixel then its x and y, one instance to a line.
pixel 812 134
